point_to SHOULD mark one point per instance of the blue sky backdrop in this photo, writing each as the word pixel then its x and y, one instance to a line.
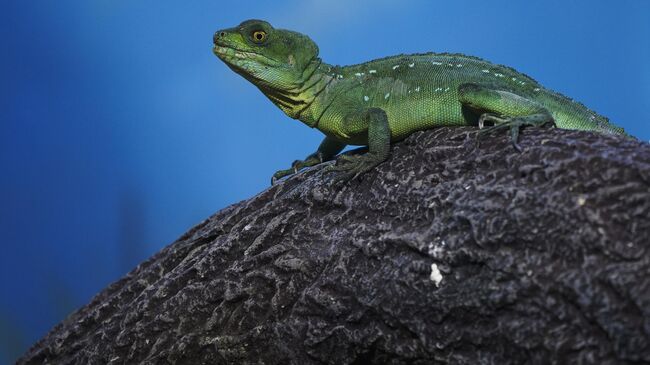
pixel 119 129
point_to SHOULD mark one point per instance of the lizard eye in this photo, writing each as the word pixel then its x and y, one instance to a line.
pixel 259 36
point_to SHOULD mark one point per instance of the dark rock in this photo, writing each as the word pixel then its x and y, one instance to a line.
pixel 538 257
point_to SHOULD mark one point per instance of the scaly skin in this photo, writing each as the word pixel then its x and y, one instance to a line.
pixel 382 101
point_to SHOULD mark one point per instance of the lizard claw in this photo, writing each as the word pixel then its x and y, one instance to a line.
pixel 351 166
pixel 279 175
pixel 344 159
pixel 490 118
pixel 514 124
pixel 298 165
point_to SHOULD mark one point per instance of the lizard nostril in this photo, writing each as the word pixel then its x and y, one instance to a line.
pixel 218 35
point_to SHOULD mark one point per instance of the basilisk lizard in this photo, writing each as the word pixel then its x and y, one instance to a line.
pixel 382 101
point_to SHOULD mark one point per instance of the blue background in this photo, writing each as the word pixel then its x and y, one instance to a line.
pixel 119 129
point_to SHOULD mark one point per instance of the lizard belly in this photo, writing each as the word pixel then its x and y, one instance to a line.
pixel 406 113
pixel 416 114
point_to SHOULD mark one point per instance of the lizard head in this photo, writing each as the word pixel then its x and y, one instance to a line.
pixel 272 59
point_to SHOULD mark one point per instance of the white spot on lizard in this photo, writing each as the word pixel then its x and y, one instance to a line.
pixel 498 75
pixel 387 96
pixel 436 276
pixel 366 98
pixel 486 71
pixel 459 65
pixel 417 89
pixel 436 63
pixel 372 71
pixel 395 67
pixel 411 64
pixel 536 89
pixel 358 74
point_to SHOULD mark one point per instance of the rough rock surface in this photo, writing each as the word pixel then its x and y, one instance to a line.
pixel 450 252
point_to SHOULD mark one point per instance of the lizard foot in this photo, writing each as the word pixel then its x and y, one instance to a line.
pixel 351 166
pixel 514 124
pixel 298 165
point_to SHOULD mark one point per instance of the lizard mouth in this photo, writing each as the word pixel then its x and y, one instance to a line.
pixel 234 55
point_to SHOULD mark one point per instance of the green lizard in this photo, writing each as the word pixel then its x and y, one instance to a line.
pixel 382 101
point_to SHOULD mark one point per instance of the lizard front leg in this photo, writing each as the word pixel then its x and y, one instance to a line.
pixel 375 123
pixel 326 151
pixel 505 109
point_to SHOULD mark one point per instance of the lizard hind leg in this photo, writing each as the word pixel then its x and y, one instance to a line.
pixel 506 110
